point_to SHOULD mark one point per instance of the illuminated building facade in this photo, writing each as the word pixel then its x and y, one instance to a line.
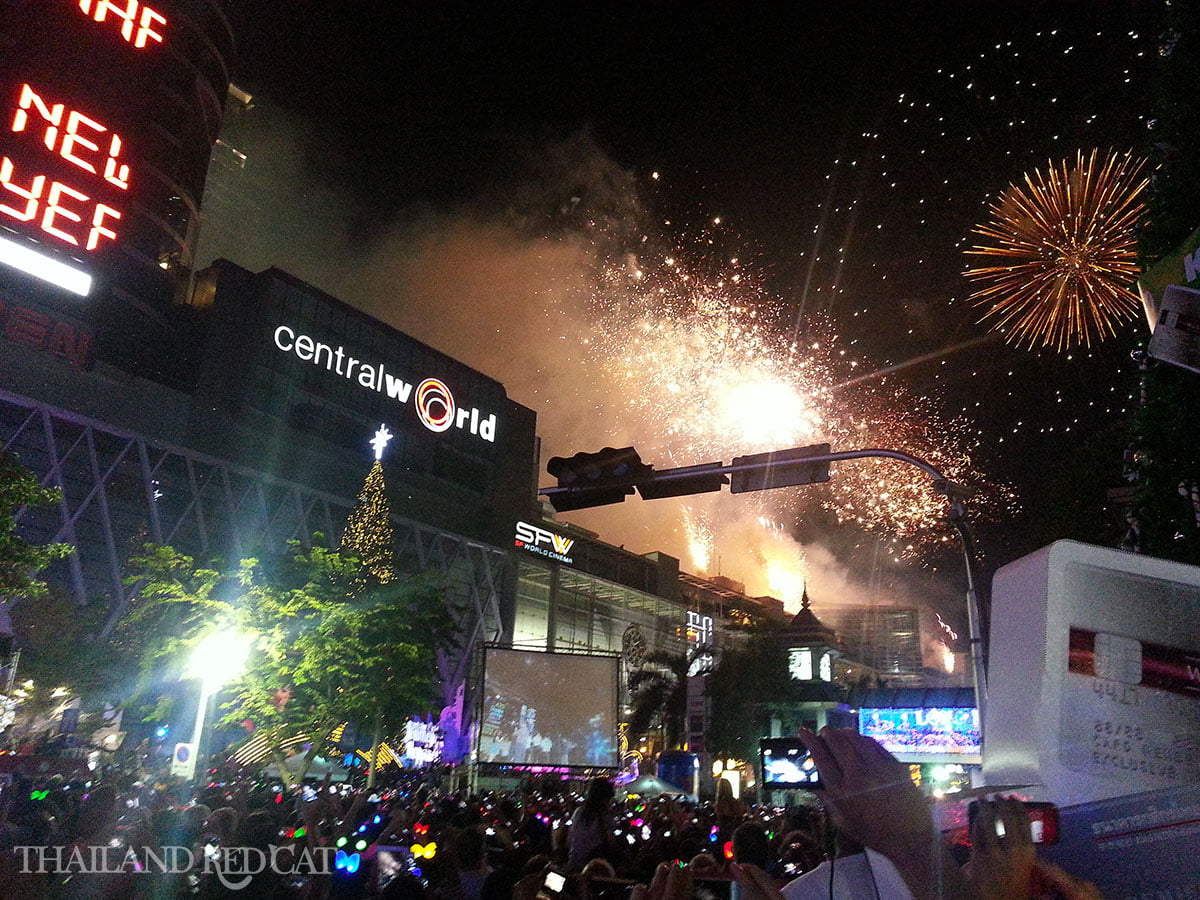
pixel 576 593
pixel 267 442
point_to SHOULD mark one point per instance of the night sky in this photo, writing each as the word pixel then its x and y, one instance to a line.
pixel 465 171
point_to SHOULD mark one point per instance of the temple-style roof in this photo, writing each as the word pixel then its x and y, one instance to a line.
pixel 806 629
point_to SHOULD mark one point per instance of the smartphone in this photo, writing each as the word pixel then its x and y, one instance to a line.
pixel 555 882
pixel 787 764
pixel 715 889
pixel 1043 821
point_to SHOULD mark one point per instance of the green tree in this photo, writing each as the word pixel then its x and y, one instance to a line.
pixel 20 561
pixel 329 645
pixel 658 695
pixel 747 678
pixel 368 535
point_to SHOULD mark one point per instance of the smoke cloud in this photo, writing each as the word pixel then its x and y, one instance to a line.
pixel 507 283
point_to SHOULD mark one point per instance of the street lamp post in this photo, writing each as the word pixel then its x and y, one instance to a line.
pixel 217 659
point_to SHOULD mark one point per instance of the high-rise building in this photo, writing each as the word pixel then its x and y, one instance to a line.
pixel 886 638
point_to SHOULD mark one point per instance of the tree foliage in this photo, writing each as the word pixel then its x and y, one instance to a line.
pixel 327 645
pixel 739 688
pixel 658 695
pixel 20 561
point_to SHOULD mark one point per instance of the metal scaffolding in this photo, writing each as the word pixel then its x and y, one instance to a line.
pixel 121 490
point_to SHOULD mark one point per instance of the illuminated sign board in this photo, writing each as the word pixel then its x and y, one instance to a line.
pixel 66 167
pixel 700 633
pixel 432 400
pixel 108 114
pixel 137 26
pixel 64 211
pixel 543 543
pixel 800 664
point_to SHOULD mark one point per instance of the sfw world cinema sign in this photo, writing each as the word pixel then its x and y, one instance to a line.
pixel 432 400
pixel 543 543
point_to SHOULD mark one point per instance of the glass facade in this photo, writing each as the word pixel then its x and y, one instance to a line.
pixel 564 609
pixel 886 638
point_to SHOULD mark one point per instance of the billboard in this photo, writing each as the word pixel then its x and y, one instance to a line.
pixel 1094 674
pixel 925 734
pixel 548 709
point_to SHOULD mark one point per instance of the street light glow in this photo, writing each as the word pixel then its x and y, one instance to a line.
pixel 219 657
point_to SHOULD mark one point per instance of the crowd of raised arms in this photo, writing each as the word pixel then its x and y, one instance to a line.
pixel 871 837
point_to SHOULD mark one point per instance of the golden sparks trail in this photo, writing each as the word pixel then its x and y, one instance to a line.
pixel 707 370
pixel 1065 252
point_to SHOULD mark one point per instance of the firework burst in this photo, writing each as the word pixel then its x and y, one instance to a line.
pixel 1065 252
pixel 708 368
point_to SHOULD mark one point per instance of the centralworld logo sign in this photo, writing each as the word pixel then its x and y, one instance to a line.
pixel 432 400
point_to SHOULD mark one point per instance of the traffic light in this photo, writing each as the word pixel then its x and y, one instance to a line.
pixel 781 468
pixel 596 479
pixel 683 482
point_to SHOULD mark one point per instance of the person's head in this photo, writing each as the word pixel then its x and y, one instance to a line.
pixel 703 864
pixel 599 868
pixel 599 795
pixel 468 848
pixel 724 790
pixel 95 811
pixel 221 824
pixel 751 845
pixel 259 829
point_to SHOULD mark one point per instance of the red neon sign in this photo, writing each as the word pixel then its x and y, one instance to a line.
pixel 136 29
pixel 61 209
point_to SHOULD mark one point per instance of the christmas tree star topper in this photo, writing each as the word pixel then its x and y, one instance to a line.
pixel 382 436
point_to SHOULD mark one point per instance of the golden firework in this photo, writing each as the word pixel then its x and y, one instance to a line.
pixel 706 372
pixel 1065 252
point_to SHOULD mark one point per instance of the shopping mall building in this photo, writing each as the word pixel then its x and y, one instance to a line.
pixel 226 412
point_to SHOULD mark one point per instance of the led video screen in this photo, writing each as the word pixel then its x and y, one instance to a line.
pixel 927 731
pixel 549 709
pixel 786 764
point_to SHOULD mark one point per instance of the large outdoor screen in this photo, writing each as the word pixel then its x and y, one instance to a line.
pixel 549 709
pixel 928 732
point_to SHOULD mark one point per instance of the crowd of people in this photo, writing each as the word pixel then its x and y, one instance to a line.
pixel 872 837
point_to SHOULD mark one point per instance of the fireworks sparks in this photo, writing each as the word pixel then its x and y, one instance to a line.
pixel 709 371
pixel 1065 253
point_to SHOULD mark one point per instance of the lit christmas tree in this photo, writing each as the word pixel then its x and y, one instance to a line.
pixel 368 534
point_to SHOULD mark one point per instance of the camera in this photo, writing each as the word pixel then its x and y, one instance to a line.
pixel 1043 821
